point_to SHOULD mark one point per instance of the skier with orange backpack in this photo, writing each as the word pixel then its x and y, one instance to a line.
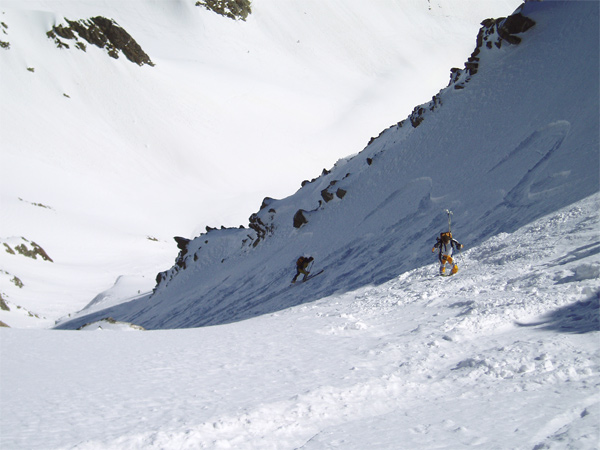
pixel 446 245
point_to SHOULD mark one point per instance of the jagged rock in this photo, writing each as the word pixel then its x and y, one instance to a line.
pixel 4 44
pixel 103 33
pixel 234 9
pixel 515 24
pixel 257 225
pixel 14 280
pixel 416 117
pixel 3 305
pixel 340 193
pixel 325 172
pixel 28 249
pixel 160 277
pixel 181 242
pixel 493 32
pixel 261 228
pixel 299 218
pixel 266 202
pixel 418 114
pixel 182 245
pixel 327 196
pixel 3 325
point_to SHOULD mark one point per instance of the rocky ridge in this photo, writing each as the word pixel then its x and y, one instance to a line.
pixel 493 34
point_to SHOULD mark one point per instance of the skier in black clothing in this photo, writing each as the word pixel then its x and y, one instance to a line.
pixel 446 245
pixel 302 266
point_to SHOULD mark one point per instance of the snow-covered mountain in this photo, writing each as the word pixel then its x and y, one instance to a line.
pixel 104 160
pixel 503 355
pixel 512 138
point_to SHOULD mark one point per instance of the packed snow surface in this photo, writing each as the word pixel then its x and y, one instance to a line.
pixel 505 354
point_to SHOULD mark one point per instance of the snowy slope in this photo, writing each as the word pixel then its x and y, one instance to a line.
pixel 504 355
pixel 513 142
pixel 124 157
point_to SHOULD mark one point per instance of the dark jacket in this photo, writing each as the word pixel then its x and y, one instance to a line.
pixel 446 247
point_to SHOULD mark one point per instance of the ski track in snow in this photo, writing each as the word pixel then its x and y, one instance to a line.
pixel 502 355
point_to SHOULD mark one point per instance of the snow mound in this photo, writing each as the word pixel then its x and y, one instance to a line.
pixel 110 324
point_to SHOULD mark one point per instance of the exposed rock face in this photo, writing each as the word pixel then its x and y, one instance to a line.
pixel 14 280
pixel 3 28
pixel 493 33
pixel 3 305
pixel 101 32
pixel 512 25
pixel 234 9
pixel 418 114
pixel 262 221
pixel 182 244
pixel 299 218
pixel 328 195
pixel 29 249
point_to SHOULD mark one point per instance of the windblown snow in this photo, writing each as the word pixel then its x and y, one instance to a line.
pixel 377 351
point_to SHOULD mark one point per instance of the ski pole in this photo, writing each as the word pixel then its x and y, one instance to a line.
pixel 449 220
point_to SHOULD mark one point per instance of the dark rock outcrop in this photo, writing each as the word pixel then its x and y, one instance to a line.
pixel 28 249
pixel 234 9
pixel 262 221
pixel 340 193
pixel 493 33
pixel 299 218
pixel 3 305
pixel 103 33
pixel 4 44
pixel 182 245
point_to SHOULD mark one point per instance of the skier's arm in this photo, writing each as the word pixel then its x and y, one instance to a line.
pixel 457 244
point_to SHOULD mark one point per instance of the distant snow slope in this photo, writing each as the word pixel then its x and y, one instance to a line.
pixel 125 157
pixel 501 148
pixel 503 355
